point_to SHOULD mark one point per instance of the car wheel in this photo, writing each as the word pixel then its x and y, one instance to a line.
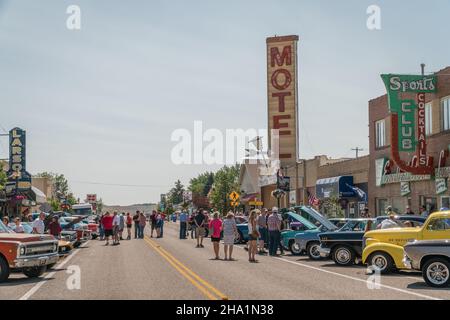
pixel 34 272
pixel 295 248
pixel 4 270
pixel 436 273
pixel 343 256
pixel 238 238
pixel 50 266
pixel 381 261
pixel 313 250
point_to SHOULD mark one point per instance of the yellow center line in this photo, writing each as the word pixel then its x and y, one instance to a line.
pixel 187 273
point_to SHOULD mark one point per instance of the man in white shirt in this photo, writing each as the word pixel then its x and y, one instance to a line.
pixel 38 224
pixel 116 224
pixel 389 223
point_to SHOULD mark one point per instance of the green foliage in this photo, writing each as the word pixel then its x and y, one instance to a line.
pixel 176 193
pixel 60 184
pixel 226 180
pixel 3 177
pixel 332 208
pixel 201 184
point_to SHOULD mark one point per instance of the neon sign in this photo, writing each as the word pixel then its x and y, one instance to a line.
pixel 408 130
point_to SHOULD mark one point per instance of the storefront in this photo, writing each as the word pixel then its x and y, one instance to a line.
pixel 341 193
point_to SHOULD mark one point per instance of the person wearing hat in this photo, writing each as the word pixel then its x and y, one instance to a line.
pixel 409 211
pixel 274 227
pixel 423 211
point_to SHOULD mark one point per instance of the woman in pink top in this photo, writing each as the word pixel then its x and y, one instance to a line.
pixel 215 225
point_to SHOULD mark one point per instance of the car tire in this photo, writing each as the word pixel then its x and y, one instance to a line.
pixel 294 248
pixel 238 238
pixel 436 273
pixel 382 261
pixel 34 272
pixel 343 256
pixel 312 249
pixel 4 270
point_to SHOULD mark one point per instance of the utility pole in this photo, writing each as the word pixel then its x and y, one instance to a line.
pixel 357 150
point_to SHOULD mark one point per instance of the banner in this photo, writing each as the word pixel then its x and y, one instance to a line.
pixel 17 172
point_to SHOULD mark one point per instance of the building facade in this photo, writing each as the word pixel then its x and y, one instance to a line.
pixel 388 186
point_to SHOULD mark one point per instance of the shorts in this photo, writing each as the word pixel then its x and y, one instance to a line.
pixel 129 226
pixel 213 239
pixel 263 234
pixel 228 240
pixel 201 232
pixel 252 237
pixel 108 233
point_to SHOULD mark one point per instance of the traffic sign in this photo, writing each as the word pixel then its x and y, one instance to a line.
pixel 234 203
pixel 234 196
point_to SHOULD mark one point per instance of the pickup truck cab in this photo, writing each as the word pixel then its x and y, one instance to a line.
pixel 28 253
pixel 384 249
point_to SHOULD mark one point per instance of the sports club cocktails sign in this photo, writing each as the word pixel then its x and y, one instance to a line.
pixel 408 119
pixel 282 95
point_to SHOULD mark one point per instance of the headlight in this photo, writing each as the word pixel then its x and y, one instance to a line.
pixel 22 251
pixel 55 247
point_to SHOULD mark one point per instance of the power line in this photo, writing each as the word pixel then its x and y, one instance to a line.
pixel 121 185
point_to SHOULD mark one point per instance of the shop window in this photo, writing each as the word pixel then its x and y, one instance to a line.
pixel 445 202
pixel 430 203
pixel 445 112
pixel 381 205
pixel 380 133
pixel 428 119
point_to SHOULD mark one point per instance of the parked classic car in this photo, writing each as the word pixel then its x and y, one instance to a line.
pixel 30 254
pixel 432 257
pixel 345 247
pixel 296 224
pixel 308 241
pixel 339 222
pixel 73 224
pixel 383 249
pixel 65 244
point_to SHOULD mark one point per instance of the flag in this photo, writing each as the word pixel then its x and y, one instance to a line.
pixel 361 194
pixel 313 200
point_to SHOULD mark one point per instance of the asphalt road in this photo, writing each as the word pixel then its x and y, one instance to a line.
pixel 170 268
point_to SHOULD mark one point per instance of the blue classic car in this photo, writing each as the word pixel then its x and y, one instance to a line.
pixel 308 241
pixel 295 221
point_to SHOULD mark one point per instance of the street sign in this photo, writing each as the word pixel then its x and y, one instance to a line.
pixel 234 196
pixel 234 203
pixel 256 203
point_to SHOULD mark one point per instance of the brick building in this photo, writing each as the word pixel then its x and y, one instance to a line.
pixel 412 191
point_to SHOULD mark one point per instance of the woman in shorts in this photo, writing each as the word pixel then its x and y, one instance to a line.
pixel 215 225
pixel 129 225
pixel 230 233
pixel 253 235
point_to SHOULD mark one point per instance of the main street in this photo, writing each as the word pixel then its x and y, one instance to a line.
pixel 170 268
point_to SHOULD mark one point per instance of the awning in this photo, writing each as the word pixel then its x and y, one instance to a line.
pixel 40 197
pixel 340 187
pixel 249 197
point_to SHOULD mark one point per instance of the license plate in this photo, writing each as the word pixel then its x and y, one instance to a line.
pixel 43 261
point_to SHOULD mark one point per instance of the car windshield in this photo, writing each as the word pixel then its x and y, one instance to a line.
pixel 355 225
pixel 3 228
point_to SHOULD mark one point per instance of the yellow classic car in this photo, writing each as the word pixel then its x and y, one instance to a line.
pixel 383 249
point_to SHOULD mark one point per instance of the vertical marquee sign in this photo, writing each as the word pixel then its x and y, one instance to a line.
pixel 408 126
pixel 282 95
pixel 17 172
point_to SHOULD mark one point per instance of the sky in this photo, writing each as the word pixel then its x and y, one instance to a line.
pixel 100 104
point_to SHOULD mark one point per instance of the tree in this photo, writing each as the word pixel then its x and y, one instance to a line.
pixel 60 184
pixel 176 194
pixel 201 185
pixel 3 177
pixel 226 180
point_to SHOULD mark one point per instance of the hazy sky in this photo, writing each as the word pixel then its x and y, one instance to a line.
pixel 100 104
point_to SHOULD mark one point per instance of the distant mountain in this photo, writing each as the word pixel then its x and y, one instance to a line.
pixel 145 207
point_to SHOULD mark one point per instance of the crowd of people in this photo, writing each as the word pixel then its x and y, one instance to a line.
pixel 264 231
pixel 112 226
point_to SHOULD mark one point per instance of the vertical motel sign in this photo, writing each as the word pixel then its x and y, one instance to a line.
pixel 406 97
pixel 282 96
pixel 17 173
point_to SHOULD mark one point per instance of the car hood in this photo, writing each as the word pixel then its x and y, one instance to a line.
pixel 320 218
pixel 21 237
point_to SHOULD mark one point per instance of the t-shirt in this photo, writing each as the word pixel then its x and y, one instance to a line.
pixel 129 220
pixel 39 225
pixel 19 229
pixel 388 224
pixel 183 217
pixel 116 220
pixel 216 226
pixel 107 222
pixel 54 228
pixel 121 221
pixel 262 221
pixel 199 219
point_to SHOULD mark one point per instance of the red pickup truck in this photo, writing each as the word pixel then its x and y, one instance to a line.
pixel 28 253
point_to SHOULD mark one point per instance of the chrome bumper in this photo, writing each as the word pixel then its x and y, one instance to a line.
pixel 324 252
pixel 27 262
pixel 407 262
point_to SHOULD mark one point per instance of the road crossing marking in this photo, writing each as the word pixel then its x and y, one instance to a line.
pixel 206 288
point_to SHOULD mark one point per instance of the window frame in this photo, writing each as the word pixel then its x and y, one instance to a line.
pixel 380 137
pixel 445 113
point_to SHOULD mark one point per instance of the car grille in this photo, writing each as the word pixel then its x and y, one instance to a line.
pixel 36 249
